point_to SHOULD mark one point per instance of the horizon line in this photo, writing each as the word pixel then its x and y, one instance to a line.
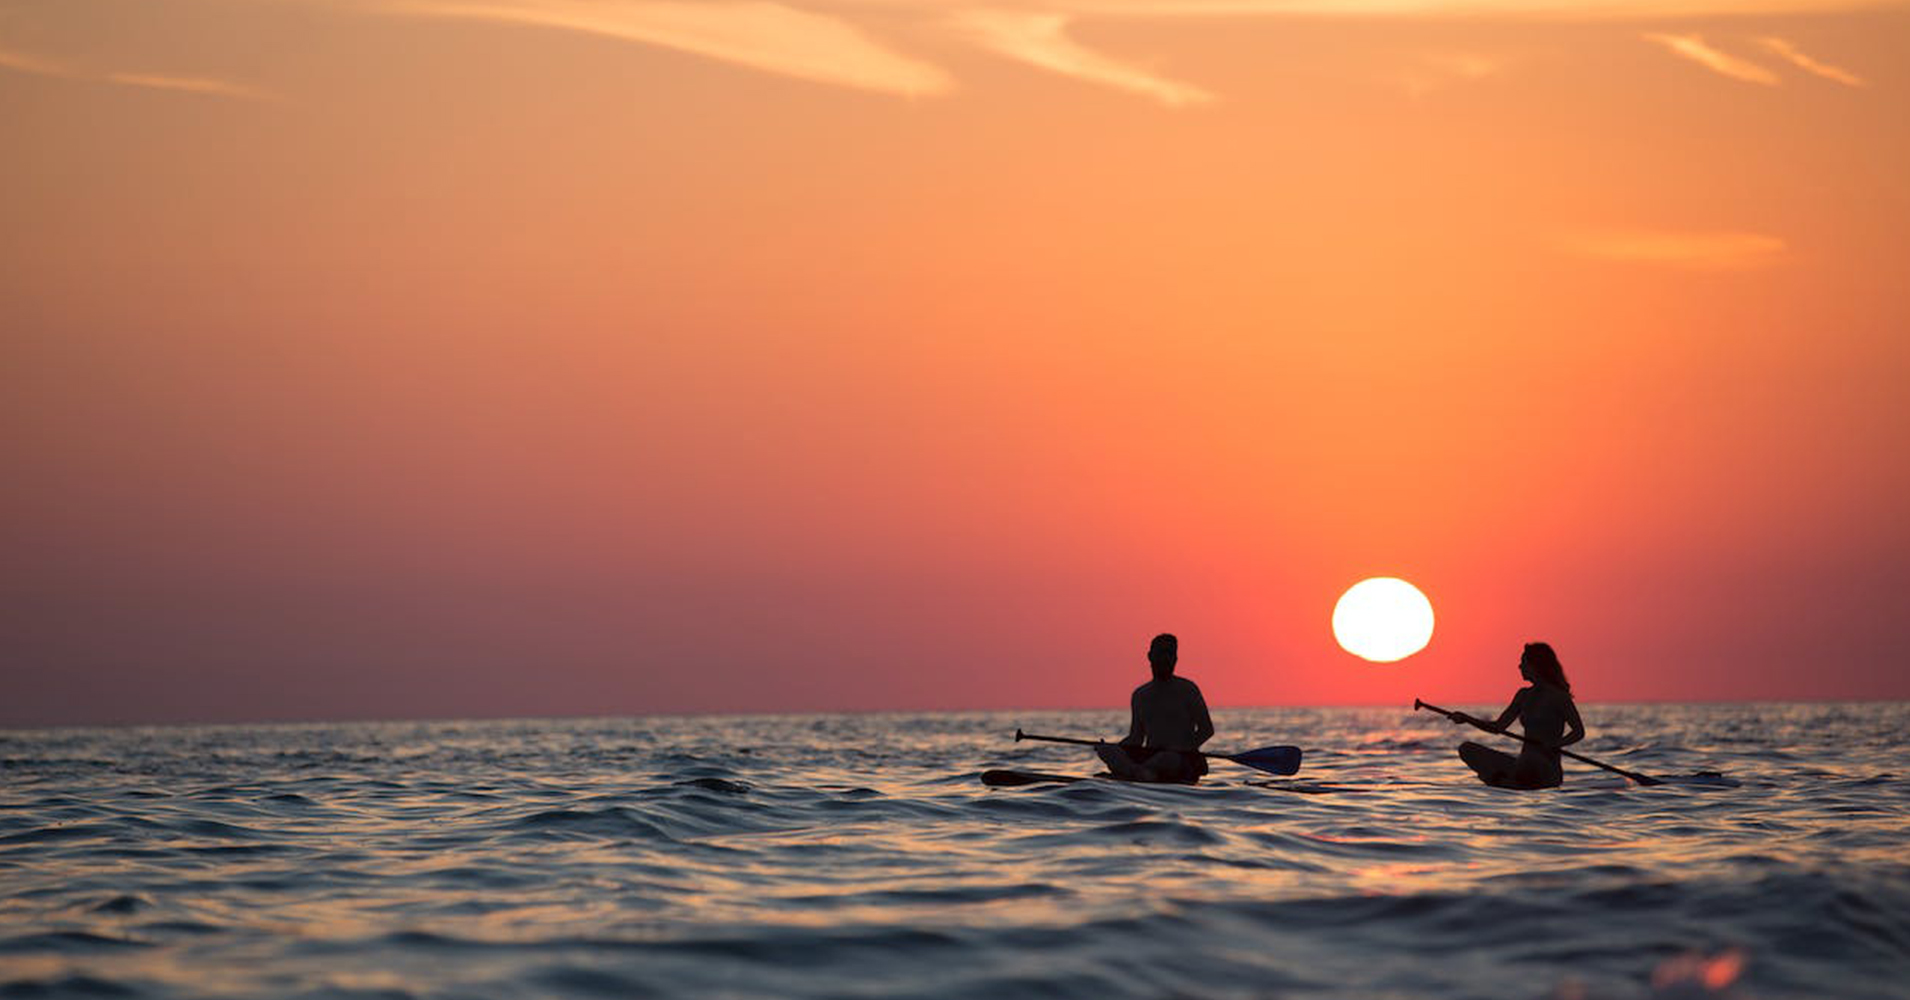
pixel 717 714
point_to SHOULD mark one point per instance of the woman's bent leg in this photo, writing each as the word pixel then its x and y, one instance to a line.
pixel 1492 766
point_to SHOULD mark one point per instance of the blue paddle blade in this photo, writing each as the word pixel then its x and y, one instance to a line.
pixel 1275 760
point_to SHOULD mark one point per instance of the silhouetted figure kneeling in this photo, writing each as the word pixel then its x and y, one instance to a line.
pixel 1544 710
pixel 1168 719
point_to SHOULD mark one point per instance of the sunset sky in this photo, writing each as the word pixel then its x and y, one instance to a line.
pixel 442 358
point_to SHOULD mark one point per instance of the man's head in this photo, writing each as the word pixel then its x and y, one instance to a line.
pixel 1162 654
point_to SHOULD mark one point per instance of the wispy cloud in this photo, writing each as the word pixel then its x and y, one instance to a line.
pixel 1564 10
pixel 1790 53
pixel 1434 70
pixel 1696 49
pixel 207 86
pixel 1041 39
pixel 189 84
pixel 765 36
pixel 1711 251
pixel 21 62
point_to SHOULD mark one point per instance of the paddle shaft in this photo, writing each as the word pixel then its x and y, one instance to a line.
pixel 1633 775
pixel 1019 736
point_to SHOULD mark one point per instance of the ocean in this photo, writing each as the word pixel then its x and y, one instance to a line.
pixel 860 856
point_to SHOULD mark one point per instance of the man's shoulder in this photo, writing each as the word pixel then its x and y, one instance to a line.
pixel 1172 686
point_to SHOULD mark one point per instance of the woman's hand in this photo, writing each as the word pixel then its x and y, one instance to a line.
pixel 1490 727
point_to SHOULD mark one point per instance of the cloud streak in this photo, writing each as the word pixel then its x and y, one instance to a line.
pixel 1041 39
pixel 1434 70
pixel 1697 50
pixel 22 62
pixel 764 36
pixel 189 84
pixel 1705 251
pixel 1790 53
pixel 1523 10
pixel 829 42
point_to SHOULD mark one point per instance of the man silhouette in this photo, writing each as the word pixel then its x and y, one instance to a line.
pixel 1168 719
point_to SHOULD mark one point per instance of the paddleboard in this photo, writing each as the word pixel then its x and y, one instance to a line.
pixel 1003 779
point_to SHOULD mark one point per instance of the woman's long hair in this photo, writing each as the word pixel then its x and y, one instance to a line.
pixel 1545 665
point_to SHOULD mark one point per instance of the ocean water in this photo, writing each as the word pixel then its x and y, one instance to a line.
pixel 859 856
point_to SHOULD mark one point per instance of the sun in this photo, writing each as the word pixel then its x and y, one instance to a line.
pixel 1383 619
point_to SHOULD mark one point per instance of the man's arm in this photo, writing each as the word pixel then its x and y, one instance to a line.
pixel 1203 723
pixel 1136 733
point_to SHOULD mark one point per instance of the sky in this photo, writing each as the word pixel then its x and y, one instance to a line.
pixel 509 358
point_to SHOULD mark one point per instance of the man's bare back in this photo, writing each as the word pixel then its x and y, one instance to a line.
pixel 1167 718
pixel 1169 714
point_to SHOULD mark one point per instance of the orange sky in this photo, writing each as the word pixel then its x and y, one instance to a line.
pixel 525 357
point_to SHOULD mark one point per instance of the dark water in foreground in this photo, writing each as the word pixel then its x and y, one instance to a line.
pixel 858 856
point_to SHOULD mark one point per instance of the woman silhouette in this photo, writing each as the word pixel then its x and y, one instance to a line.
pixel 1544 710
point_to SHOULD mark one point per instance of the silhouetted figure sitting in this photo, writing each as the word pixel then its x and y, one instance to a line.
pixel 1544 710
pixel 1168 719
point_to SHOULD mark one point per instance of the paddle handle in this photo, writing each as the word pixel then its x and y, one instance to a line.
pixel 1019 736
pixel 1633 775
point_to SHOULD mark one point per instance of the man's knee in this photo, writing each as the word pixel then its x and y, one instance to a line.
pixel 1165 766
pixel 1115 757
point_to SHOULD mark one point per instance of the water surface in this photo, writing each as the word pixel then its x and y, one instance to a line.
pixel 858 856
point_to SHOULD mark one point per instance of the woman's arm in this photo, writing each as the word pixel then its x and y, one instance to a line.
pixel 1511 712
pixel 1575 730
pixel 1505 718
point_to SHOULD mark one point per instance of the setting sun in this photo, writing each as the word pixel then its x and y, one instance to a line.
pixel 1383 619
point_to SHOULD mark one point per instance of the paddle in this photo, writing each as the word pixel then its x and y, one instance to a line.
pixel 1633 775
pixel 1274 760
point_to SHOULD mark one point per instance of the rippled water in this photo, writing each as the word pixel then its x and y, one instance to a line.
pixel 847 856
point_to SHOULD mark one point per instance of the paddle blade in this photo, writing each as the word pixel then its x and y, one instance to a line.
pixel 1273 760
